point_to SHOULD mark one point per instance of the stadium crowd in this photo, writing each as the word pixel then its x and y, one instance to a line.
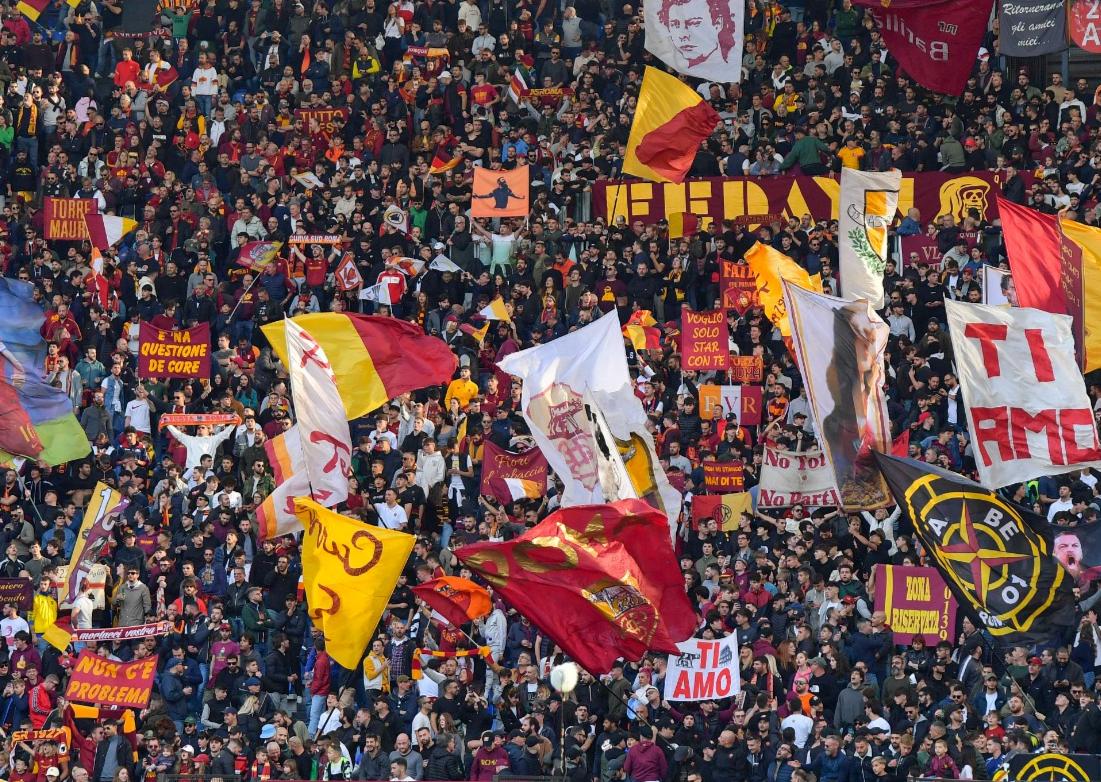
pixel 212 157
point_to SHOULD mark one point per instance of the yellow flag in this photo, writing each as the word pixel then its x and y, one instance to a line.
pixel 734 505
pixel 56 637
pixel 770 266
pixel 1086 240
pixel 350 570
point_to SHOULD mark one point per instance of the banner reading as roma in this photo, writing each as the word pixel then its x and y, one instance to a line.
pixel 182 353
pixel 103 682
pixel 704 340
pixel 756 201
pixel 63 218
pixel 916 601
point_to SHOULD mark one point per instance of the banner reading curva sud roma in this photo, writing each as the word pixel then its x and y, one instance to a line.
pixel 103 682
pixel 754 201
pixel 917 602
pixel 180 353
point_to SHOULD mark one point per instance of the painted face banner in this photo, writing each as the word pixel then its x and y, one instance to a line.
pixel 701 38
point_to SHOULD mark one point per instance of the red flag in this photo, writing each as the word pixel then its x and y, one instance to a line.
pixel 347 274
pixel 458 600
pixel 600 580
pixel 901 445
pixel 1033 245
pixel 935 41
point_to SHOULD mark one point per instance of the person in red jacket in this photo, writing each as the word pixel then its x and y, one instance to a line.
pixel 42 700
pixel 126 69
pixel 645 760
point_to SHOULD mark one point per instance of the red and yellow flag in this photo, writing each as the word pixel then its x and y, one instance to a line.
pixel 32 9
pixel 670 122
pixel 458 600
pixel 601 580
pixel 770 267
pixel 374 358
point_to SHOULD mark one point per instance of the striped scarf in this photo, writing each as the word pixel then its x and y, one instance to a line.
pixel 417 653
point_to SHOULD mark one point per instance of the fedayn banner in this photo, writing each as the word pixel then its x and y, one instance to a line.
pixel 755 201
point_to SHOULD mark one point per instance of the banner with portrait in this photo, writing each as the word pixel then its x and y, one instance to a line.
pixel 701 38
pixel 500 193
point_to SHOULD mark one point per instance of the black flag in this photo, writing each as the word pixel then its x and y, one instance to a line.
pixel 994 555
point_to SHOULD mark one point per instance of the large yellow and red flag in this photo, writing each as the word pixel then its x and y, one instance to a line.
pixel 374 358
pixel 771 267
pixel 670 122
pixel 600 580
pixel 350 570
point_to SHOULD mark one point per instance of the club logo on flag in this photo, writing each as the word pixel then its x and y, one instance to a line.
pixel 872 245
pixel 560 412
pixel 624 606
pixel 984 547
pixel 347 274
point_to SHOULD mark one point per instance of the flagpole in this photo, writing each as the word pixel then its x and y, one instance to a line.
pixel 290 372
pixel 255 280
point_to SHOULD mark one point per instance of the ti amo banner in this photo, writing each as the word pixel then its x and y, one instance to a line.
pixel 744 402
pixel 704 670
pixel 179 353
pixel 704 340
pixel 724 477
pixel 103 682
pixel 63 218
pixel 917 602
pixel 326 118
pixel 754 201
pixel 738 286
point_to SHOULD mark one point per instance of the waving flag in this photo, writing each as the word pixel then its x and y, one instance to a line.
pixel 350 570
pixel 347 274
pixel 106 230
pixel 600 580
pixel 442 263
pixel 995 556
pixel 496 310
pixel 670 122
pixel 869 200
pixel 43 414
pixel 458 600
pixel 444 158
pixel 32 9
pixel 508 476
pixel 258 255
pixel 397 218
pixel 771 267
pixel 410 267
pixel 641 329
pixel 374 358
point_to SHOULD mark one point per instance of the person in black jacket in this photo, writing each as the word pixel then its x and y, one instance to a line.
pixel 443 762
pixel 374 764
pixel 112 746
pixel 280 672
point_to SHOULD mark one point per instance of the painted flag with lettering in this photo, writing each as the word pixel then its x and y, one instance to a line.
pixel 38 420
pixel 508 476
pixel 347 274
pixel 994 555
pixel 322 422
pixel 374 358
pixel 350 570
pixel 257 255
pixel 936 42
pixel 458 600
pixel 496 310
pixel 771 267
pixel 379 293
pixel 105 231
pixel 600 580
pixel 869 200
pixel 670 122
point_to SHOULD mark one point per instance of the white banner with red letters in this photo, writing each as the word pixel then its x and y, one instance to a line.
pixel 1027 408
pixel 704 670
pixel 789 478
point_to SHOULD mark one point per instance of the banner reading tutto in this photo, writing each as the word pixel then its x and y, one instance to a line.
pixel 755 201
pixel 63 218
pixel 184 353
pixel 102 682
pixel 917 602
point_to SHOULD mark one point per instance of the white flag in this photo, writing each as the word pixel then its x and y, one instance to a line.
pixel 577 395
pixel 869 200
pixel 1028 413
pixel 442 263
pixel 996 285
pixel 397 218
pixel 322 422
pixel 379 292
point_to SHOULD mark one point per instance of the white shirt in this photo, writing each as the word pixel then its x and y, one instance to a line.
pixel 10 625
pixel 391 517
pixel 137 410
pixel 197 447
pixel 83 607
pixel 801 724
pixel 1057 506
pixel 204 81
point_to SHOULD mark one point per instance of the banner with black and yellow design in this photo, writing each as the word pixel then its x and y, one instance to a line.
pixel 989 550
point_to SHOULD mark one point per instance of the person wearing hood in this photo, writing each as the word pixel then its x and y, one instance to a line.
pixel 645 760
